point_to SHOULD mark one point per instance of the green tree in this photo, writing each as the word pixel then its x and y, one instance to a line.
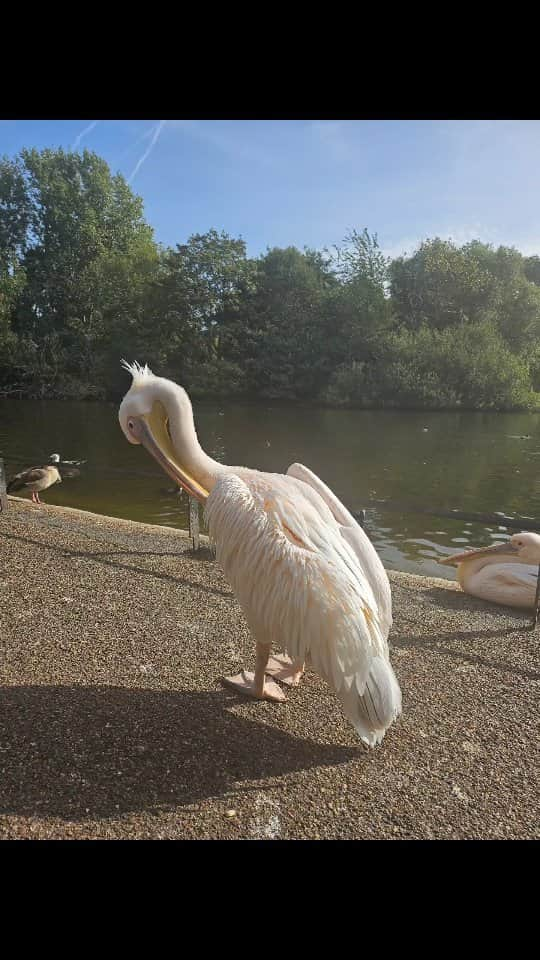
pixel 439 286
pixel 14 226
pixel 195 305
pixel 286 324
pixel 514 301
pixel 360 257
pixel 443 285
pixel 466 366
pixel 532 269
pixel 82 283
pixel 64 219
pixel 360 308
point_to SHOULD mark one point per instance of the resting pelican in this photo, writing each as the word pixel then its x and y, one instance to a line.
pixel 304 572
pixel 34 479
pixel 504 573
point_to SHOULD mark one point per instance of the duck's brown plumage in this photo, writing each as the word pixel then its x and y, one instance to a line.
pixel 34 479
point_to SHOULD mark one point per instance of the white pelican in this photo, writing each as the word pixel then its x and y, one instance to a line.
pixel 307 577
pixel 504 573
pixel 34 479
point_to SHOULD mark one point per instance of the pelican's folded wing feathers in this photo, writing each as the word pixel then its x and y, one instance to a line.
pixel 303 586
pixel 357 539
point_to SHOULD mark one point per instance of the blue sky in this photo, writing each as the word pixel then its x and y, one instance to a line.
pixel 308 182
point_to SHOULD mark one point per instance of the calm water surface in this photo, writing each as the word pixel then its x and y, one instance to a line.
pixel 397 465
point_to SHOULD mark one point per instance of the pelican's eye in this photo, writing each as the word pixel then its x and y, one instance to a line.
pixel 168 429
pixel 131 425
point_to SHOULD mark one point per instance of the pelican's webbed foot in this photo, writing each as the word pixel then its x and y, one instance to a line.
pixel 244 684
pixel 285 670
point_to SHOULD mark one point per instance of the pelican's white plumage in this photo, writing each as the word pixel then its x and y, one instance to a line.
pixel 306 575
pixel 505 573
pixel 303 586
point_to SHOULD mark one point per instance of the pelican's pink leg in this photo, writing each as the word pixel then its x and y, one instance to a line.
pixel 285 670
pixel 255 684
pixel 34 496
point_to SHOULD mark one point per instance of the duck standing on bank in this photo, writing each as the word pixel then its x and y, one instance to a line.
pixel 34 480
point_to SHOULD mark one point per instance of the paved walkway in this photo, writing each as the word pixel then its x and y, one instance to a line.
pixel 113 722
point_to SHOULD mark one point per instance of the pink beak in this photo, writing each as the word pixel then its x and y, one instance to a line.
pixel 504 549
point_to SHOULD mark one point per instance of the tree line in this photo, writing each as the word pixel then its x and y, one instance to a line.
pixel 83 283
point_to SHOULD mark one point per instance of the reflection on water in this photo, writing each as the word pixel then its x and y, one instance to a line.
pixel 399 465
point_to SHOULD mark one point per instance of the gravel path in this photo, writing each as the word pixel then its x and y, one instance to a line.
pixel 113 722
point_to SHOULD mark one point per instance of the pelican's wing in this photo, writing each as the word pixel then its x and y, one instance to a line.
pixel 302 587
pixel 352 532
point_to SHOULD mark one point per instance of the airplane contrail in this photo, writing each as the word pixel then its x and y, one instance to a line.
pixel 157 130
pixel 84 133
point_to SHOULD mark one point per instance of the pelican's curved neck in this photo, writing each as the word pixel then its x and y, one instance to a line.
pixel 184 438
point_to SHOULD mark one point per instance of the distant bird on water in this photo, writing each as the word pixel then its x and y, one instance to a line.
pixel 34 480
pixel 67 469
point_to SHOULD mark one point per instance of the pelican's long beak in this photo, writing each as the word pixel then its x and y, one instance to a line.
pixel 151 431
pixel 505 549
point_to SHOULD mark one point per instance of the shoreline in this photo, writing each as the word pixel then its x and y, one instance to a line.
pixel 284 401
pixel 115 723
pixel 148 528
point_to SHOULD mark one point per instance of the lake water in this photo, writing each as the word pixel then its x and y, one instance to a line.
pixel 397 465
